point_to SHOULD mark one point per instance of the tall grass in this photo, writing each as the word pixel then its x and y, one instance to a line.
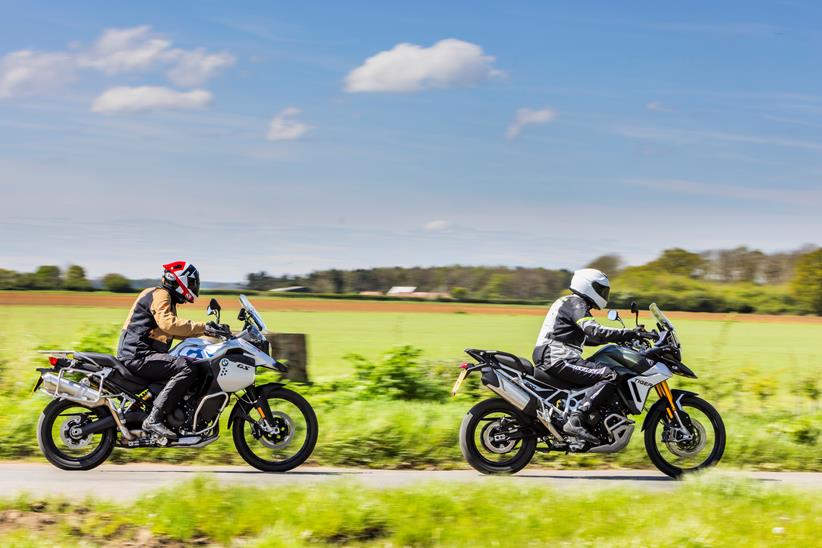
pixel 708 511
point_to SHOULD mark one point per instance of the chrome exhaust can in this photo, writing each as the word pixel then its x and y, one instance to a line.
pixel 60 387
pixel 511 393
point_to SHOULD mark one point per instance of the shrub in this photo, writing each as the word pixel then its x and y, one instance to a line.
pixel 116 283
pixel 398 376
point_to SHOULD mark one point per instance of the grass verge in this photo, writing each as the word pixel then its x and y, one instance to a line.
pixel 712 510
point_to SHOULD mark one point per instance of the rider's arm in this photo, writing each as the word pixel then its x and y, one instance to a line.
pixel 597 333
pixel 168 321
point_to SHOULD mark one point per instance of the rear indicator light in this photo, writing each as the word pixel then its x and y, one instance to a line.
pixel 53 360
pixel 464 365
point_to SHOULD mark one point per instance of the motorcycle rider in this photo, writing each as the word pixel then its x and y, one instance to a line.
pixel 567 327
pixel 147 334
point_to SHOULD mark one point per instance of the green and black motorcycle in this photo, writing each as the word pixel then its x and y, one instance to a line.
pixel 683 432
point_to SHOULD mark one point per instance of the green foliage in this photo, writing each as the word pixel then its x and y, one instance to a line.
pixel 99 338
pixel 711 510
pixel 116 283
pixel 399 375
pixel 47 277
pixel 807 281
pixel 76 279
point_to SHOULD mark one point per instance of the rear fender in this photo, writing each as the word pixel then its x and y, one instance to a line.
pixel 677 394
pixel 242 407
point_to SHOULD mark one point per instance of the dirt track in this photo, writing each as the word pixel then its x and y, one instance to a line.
pixel 34 298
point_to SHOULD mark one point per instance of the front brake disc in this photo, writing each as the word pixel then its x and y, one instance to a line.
pixel 689 448
pixel 283 431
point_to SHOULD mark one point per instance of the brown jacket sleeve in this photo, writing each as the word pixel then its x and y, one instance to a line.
pixel 168 321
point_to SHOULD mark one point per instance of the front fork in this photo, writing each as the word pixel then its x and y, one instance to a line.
pixel 674 417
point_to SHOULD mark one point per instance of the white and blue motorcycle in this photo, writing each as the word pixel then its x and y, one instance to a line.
pixel 98 404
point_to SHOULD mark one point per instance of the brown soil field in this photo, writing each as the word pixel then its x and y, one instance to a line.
pixel 34 298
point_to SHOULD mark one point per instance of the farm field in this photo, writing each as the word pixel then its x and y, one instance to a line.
pixel 762 373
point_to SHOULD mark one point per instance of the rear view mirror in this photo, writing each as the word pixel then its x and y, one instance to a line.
pixel 213 309
pixel 635 311
pixel 613 315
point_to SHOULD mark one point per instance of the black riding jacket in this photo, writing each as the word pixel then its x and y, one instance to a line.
pixel 152 324
pixel 569 326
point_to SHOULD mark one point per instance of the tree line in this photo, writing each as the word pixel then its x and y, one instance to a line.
pixel 739 279
pixel 50 277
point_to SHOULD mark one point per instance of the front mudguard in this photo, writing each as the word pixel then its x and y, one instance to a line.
pixel 242 407
pixel 677 394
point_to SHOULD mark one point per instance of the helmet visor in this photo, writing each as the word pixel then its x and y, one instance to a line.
pixel 194 284
pixel 601 290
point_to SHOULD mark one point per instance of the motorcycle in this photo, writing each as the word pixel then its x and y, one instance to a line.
pixel 683 432
pixel 97 404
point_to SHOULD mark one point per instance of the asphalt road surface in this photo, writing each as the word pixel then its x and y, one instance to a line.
pixel 124 482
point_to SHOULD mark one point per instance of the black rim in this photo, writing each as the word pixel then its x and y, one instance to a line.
pixel 681 452
pixel 289 434
pixel 64 439
pixel 496 437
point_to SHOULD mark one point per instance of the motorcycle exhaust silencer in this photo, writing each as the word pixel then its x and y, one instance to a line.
pixel 512 393
pixel 64 388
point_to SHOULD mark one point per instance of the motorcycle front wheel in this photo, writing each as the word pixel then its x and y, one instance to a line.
pixel 284 445
pixel 676 455
pixel 489 438
pixel 60 441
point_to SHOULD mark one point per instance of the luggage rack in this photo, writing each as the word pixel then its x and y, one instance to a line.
pixel 93 395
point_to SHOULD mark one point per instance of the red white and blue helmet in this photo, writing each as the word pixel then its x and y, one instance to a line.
pixel 182 279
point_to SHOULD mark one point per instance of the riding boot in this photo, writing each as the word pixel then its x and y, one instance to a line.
pixel 575 426
pixel 154 423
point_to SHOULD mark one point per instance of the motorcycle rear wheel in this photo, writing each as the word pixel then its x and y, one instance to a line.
pixel 66 452
pixel 479 421
pixel 676 463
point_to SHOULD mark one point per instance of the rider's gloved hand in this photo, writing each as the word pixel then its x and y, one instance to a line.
pixel 639 333
pixel 213 329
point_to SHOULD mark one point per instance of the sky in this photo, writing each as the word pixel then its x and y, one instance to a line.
pixel 289 137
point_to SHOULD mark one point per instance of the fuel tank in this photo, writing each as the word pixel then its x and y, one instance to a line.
pixel 615 356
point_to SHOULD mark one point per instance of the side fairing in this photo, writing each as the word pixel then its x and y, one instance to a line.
pixel 638 387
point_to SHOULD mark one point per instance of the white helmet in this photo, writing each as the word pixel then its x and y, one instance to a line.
pixel 593 285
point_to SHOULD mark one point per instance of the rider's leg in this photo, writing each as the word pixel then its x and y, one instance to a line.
pixel 180 374
pixel 584 373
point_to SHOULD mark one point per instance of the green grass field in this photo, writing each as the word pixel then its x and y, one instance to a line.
pixel 706 511
pixel 764 377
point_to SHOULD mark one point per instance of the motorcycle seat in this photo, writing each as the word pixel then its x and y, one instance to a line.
pixel 524 365
pixel 121 375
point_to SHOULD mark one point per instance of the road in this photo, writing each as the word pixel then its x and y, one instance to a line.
pixel 124 482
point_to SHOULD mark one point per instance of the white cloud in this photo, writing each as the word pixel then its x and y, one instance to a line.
pixel 135 99
pixel 436 226
pixel 116 51
pixel 126 50
pixel 194 68
pixel 24 72
pixel 526 116
pixel 409 67
pixel 285 127
pixel 657 106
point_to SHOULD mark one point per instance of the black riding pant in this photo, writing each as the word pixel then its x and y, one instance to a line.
pixel 581 372
pixel 178 371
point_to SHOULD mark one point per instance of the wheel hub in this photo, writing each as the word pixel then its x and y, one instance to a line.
pixel 496 439
pixel 72 435
pixel 685 448
pixel 280 433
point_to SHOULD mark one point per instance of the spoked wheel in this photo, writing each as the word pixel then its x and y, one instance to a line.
pixel 62 443
pixel 492 440
pixel 676 451
pixel 284 444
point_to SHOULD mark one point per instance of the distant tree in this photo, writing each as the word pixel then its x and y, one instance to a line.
pixel 9 279
pixel 609 264
pixel 116 283
pixel 76 279
pixel 47 277
pixel 807 281
pixel 679 261
pixel 459 293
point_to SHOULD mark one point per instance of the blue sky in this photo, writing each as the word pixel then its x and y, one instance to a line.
pixel 296 136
